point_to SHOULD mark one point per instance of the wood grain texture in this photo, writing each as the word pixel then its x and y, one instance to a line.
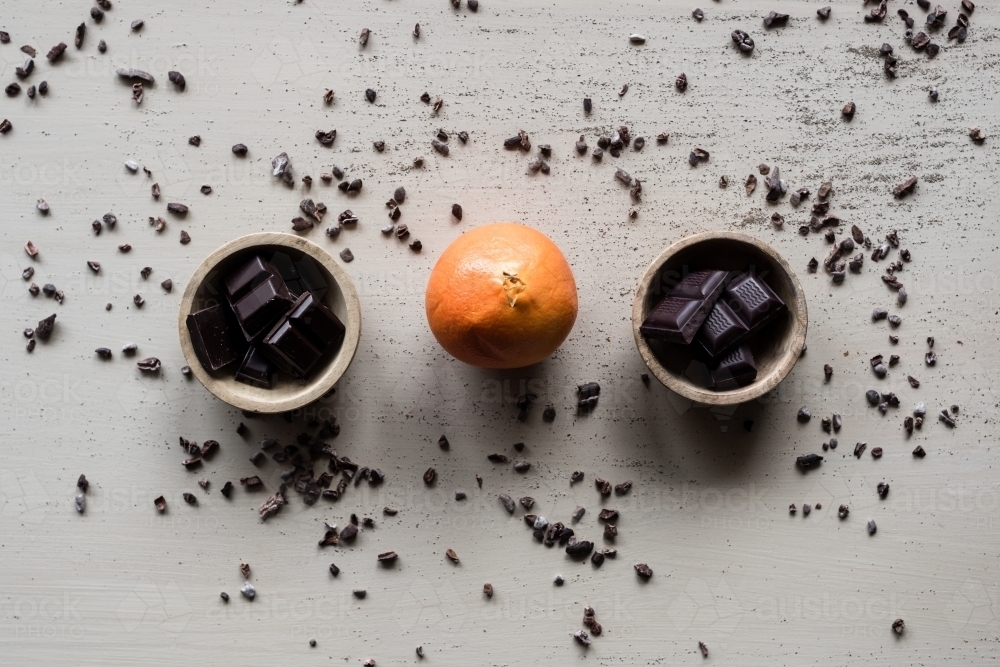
pixel 709 507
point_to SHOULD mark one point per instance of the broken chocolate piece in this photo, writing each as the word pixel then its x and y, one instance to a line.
pixel 737 369
pixel 747 305
pixel 255 370
pixel 262 306
pixel 300 339
pixel 212 339
pixel 682 311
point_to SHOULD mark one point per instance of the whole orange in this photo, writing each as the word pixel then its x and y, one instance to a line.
pixel 501 296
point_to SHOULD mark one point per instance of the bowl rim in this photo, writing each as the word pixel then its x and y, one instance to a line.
pixel 317 386
pixel 798 311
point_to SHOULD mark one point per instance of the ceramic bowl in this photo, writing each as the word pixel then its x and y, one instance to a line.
pixel 776 348
pixel 204 290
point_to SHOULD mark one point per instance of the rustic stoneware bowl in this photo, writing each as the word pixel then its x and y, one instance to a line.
pixel 776 347
pixel 204 290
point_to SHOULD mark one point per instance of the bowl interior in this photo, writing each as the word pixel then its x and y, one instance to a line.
pixel 286 392
pixel 771 346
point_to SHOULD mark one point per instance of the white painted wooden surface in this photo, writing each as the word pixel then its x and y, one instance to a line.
pixel 708 512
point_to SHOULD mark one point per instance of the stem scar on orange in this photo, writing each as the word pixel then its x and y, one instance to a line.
pixel 501 296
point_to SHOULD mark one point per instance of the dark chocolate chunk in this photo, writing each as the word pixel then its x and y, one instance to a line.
pixel 291 350
pixel 736 369
pixel 300 338
pixel 682 311
pixel 212 337
pixel 251 274
pixel 262 306
pixel 747 305
pixel 255 370
pixel 317 321
pixel 722 329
